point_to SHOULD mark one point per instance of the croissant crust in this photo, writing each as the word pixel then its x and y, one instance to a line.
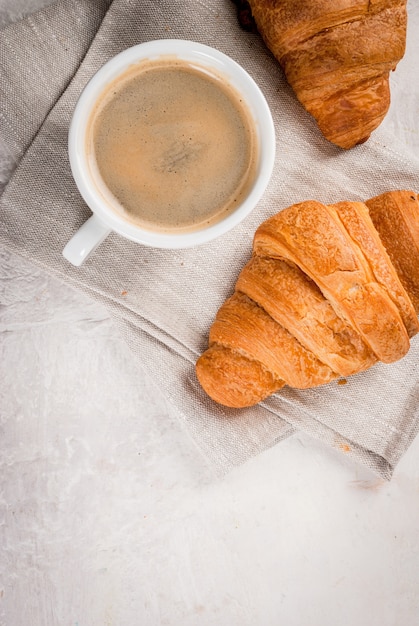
pixel 337 56
pixel 329 291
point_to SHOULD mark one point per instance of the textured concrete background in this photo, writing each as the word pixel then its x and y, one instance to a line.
pixel 109 516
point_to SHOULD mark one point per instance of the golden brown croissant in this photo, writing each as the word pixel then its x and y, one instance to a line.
pixel 329 291
pixel 337 55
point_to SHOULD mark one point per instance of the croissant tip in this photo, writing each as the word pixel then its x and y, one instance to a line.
pixel 363 140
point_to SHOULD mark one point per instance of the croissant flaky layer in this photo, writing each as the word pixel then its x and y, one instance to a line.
pixel 337 56
pixel 329 291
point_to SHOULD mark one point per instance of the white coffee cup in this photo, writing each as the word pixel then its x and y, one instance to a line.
pixel 105 218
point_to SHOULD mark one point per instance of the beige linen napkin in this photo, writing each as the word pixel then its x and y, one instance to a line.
pixel 165 301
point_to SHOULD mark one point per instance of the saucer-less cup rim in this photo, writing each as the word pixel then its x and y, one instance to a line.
pixel 105 220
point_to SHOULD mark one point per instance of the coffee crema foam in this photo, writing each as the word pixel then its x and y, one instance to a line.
pixel 174 144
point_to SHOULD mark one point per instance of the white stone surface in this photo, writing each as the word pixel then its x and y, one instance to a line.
pixel 109 516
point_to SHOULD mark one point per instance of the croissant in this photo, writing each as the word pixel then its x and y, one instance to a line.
pixel 329 291
pixel 336 55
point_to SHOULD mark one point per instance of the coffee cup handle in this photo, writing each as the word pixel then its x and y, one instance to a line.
pixel 86 240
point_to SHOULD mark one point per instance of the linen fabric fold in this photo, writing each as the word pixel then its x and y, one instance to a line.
pixel 163 300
